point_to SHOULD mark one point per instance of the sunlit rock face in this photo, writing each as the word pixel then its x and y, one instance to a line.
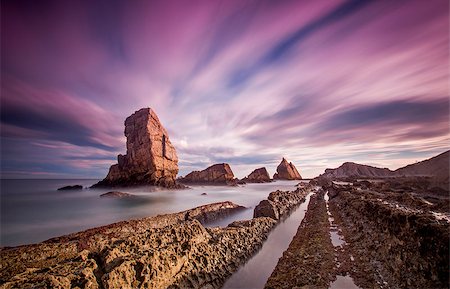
pixel 150 159
pixel 218 174
pixel 286 171
pixel 258 176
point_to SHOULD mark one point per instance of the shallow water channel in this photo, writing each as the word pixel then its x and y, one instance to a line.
pixel 257 270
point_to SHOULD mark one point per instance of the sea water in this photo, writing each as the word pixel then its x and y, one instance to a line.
pixel 33 210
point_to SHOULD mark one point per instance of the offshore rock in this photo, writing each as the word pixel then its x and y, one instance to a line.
pixel 286 171
pixel 151 159
pixel 71 188
pixel 116 194
pixel 218 174
pixel 258 176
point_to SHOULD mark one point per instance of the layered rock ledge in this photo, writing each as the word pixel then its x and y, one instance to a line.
pixel 218 174
pixel 280 203
pixel 173 250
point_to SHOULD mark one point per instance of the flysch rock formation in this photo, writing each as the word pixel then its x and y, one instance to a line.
pixel 151 159
pixel 286 171
pixel 435 168
pixel 280 203
pixel 218 174
pixel 258 176
pixel 167 251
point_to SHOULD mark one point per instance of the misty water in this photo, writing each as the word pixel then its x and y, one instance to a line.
pixel 33 210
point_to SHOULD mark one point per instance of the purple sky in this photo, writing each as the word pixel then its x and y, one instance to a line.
pixel 243 82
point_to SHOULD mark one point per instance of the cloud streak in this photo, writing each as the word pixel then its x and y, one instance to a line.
pixel 319 82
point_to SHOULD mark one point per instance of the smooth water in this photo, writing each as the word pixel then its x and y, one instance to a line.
pixel 257 270
pixel 33 210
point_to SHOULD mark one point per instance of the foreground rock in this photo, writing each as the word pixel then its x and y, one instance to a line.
pixel 309 260
pixel 151 159
pixel 173 250
pixel 286 171
pixel 258 176
pixel 71 188
pixel 395 240
pixel 280 203
pixel 116 194
pixel 218 174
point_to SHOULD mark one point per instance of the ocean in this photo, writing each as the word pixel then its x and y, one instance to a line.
pixel 33 210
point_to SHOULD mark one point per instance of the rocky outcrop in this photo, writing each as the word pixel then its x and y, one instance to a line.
pixel 286 171
pixel 354 170
pixel 309 260
pixel 173 250
pixel 394 239
pixel 71 188
pixel 280 203
pixel 258 176
pixel 218 174
pixel 151 159
pixel 116 194
pixel 435 168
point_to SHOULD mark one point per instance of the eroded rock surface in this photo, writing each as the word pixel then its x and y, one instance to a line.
pixel 286 171
pixel 218 174
pixel 151 159
pixel 173 250
pixel 309 260
pixel 116 194
pixel 258 176
pixel 280 203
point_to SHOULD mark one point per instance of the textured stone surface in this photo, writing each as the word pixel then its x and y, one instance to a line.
pixel 258 176
pixel 280 203
pixel 71 188
pixel 309 260
pixel 286 171
pixel 216 174
pixel 150 159
pixel 173 250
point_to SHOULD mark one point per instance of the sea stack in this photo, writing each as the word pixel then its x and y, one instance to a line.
pixel 151 159
pixel 218 174
pixel 286 171
pixel 258 176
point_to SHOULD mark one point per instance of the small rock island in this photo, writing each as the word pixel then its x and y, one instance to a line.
pixel 286 171
pixel 151 159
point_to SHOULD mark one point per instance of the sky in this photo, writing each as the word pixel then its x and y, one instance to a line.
pixel 244 82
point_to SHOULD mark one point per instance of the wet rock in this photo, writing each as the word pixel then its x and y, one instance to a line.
pixel 173 250
pixel 309 260
pixel 280 203
pixel 151 159
pixel 71 188
pixel 116 194
pixel 258 176
pixel 218 174
pixel 286 171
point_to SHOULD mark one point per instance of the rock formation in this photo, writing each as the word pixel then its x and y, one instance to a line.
pixel 150 159
pixel 116 194
pixel 167 251
pixel 218 174
pixel 286 171
pixel 71 188
pixel 257 176
pixel 354 170
pixel 280 203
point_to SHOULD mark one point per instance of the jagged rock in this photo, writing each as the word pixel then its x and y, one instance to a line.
pixel 150 159
pixel 173 250
pixel 286 171
pixel 280 203
pixel 218 174
pixel 354 170
pixel 258 176
pixel 71 188
pixel 116 194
